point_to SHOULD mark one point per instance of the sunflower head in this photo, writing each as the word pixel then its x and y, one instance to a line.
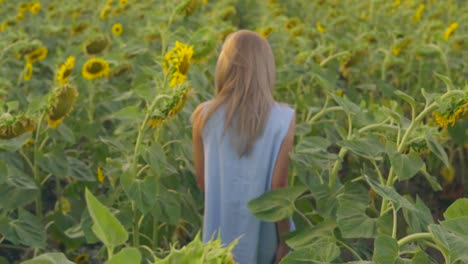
pixel 266 32
pixel 292 23
pixel 95 68
pixel 177 62
pixel 65 70
pixel 450 30
pixel 14 126
pixel 61 104
pixel 35 7
pixel 97 46
pixel 228 12
pixel 79 28
pixel 36 55
pixel 28 71
pixel 117 29
pixel 450 110
pixel 104 13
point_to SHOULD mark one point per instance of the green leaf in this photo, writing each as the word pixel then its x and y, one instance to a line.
pixel 127 255
pixel 390 194
pixel 132 113
pixel 431 179
pixel 450 243
pixel 420 258
pixel 14 144
pixel 167 208
pixel 143 193
pixel 408 98
pixel 277 204
pixel 437 149
pixel 420 218
pixel 457 209
pixel 369 147
pixel 385 250
pixel 322 250
pixel 28 230
pixel 351 214
pixel 406 165
pixel 17 190
pixel 326 202
pixel 49 258
pixel 156 158
pixel 305 237
pixel 106 226
pixel 80 170
pixel 55 163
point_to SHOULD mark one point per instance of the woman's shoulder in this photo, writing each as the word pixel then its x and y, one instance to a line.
pixel 283 109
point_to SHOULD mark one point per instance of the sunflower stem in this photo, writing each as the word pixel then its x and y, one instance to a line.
pixel 35 170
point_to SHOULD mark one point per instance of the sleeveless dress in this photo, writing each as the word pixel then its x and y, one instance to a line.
pixel 231 182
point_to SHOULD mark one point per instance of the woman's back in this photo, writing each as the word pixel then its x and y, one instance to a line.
pixel 231 182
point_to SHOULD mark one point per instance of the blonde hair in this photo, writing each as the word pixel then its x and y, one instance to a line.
pixel 244 81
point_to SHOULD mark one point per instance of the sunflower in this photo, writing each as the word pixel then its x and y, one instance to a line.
pixel 155 121
pixel 95 68
pixel 178 102
pixel 292 23
pixel 104 12
pixel 320 27
pixel 266 32
pixel 65 70
pixel 117 29
pixel 79 28
pixel 450 30
pixel 36 55
pixel 14 126
pixel 400 46
pixel 23 7
pixel 28 71
pixel 81 259
pixel 418 14
pixel 100 175
pixel 451 110
pixel 61 104
pixel 35 7
pixel 3 27
pixel 123 2
pixel 97 46
pixel 177 62
pixel 19 17
pixel 64 205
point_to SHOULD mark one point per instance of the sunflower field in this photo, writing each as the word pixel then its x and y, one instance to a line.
pixel 96 158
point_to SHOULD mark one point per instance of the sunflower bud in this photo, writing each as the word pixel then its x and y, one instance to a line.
pixel 62 103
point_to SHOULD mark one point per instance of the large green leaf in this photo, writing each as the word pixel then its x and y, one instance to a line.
pixel 127 256
pixel 17 189
pixel 390 194
pixel 322 250
pixel 326 202
pixel 420 218
pixel 156 158
pixel 451 243
pixel 457 209
pixel 167 208
pixel 385 250
pixel 79 170
pixel 27 230
pixel 142 192
pixel 276 204
pixel 14 144
pixel 351 214
pixel 106 226
pixel 437 149
pixel 49 258
pixel 369 147
pixel 410 100
pixel 305 237
pixel 55 163
pixel 406 165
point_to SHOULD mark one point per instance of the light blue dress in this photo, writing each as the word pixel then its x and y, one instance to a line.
pixel 231 182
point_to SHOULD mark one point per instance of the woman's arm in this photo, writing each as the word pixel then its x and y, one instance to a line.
pixel 280 174
pixel 198 152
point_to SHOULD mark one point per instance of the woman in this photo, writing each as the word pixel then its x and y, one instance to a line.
pixel 241 141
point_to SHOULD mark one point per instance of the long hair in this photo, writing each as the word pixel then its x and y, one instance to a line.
pixel 244 81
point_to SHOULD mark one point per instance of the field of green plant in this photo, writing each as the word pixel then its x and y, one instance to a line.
pixel 96 158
